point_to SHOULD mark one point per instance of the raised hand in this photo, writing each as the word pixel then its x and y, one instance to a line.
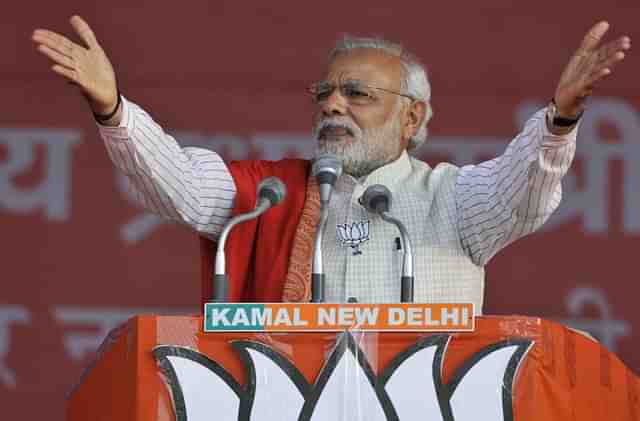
pixel 589 64
pixel 86 66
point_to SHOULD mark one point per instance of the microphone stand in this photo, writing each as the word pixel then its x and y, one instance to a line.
pixel 317 272
pixel 406 281
pixel 377 199
pixel 220 277
pixel 327 168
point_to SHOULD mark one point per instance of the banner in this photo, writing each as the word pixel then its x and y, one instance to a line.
pixel 325 317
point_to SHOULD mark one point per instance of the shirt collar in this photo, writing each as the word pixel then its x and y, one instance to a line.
pixel 388 175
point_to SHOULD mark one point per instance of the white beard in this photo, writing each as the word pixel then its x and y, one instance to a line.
pixel 367 150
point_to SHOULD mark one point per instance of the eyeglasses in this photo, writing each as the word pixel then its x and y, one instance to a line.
pixel 355 91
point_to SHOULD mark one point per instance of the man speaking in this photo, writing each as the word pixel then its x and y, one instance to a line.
pixel 371 108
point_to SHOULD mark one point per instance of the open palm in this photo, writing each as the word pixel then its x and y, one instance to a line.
pixel 86 66
pixel 588 65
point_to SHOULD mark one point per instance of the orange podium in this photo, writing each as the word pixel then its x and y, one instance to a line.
pixel 509 368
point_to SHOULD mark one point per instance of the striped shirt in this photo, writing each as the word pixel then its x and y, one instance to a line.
pixel 458 218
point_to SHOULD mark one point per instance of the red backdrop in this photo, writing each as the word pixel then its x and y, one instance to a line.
pixel 78 255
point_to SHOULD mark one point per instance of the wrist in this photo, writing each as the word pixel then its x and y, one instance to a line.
pixel 112 116
pixel 561 122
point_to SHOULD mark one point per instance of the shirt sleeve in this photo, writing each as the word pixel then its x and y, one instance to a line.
pixel 190 185
pixel 506 198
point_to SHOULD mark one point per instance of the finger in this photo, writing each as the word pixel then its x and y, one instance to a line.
pixel 51 45
pixel 606 66
pixel 594 36
pixel 56 57
pixel 610 49
pixel 610 61
pixel 69 74
pixel 595 77
pixel 84 31
pixel 54 41
pixel 585 94
pixel 42 36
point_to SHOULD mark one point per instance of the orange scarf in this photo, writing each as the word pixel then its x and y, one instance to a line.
pixel 268 259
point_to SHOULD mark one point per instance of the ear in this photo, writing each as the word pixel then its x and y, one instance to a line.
pixel 415 115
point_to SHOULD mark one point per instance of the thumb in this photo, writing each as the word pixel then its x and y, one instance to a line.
pixel 84 31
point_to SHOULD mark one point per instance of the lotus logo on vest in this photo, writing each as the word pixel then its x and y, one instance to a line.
pixel 410 387
pixel 353 235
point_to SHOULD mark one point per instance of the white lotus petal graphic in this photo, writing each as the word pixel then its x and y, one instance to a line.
pixel 412 387
pixel 342 233
pixel 193 380
pixel 272 384
pixel 480 390
pixel 355 232
pixel 409 388
pixel 348 394
pixel 365 229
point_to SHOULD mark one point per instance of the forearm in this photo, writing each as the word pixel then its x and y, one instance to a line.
pixel 511 196
pixel 187 185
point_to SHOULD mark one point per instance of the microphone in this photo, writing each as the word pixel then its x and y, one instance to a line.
pixel 271 191
pixel 377 199
pixel 326 168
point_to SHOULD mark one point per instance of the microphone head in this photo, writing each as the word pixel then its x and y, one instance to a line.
pixel 272 189
pixel 376 199
pixel 327 168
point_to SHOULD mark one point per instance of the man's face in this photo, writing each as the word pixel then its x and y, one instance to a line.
pixel 364 131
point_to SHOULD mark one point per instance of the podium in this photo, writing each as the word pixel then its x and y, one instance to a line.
pixel 509 368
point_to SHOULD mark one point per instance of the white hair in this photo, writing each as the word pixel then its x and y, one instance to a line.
pixel 415 82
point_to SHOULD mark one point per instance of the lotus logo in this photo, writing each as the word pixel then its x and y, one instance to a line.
pixel 409 388
pixel 353 235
